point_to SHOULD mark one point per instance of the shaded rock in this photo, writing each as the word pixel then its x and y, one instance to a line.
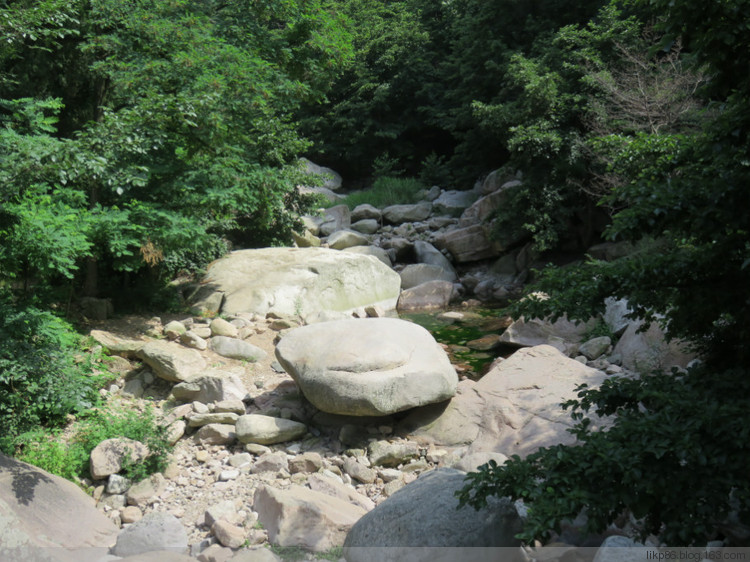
pixel 156 531
pixel 116 345
pixel 418 273
pixel 469 244
pixel 301 281
pixel 40 512
pixel 331 179
pixel 432 295
pixel 484 207
pixel 266 430
pixel 485 343
pixel 109 456
pixel 346 239
pixel 536 331
pixel 454 202
pixel 424 252
pixel 595 347
pixel 301 517
pixel 615 315
pixel 645 351
pixel 374 251
pixel 398 214
pixel 424 514
pixel 117 484
pixel 171 361
pixel 96 309
pixel 366 212
pixel 378 366
pixel 335 218
pixel 236 349
pixel 402 249
pixel 212 387
pixel 366 226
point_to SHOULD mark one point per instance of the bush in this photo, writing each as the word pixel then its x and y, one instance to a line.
pixel 41 378
pixel 69 458
pixel 387 191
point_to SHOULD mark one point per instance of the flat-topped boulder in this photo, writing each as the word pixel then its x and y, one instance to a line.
pixel 297 281
pixel 367 367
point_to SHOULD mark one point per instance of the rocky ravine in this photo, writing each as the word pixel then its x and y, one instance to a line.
pixel 369 405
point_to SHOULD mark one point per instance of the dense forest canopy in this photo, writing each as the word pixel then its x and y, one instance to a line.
pixel 140 139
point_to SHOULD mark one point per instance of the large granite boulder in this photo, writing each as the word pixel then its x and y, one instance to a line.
pixel 421 522
pixel 329 178
pixel 514 409
pixel 431 295
pixel 44 517
pixel 398 214
pixel 298 281
pixel 536 331
pixel 367 367
pixel 417 273
pixel 469 244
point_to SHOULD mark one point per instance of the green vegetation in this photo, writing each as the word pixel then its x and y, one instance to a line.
pixel 387 191
pixel 69 457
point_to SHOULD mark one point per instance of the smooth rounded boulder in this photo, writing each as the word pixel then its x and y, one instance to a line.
pixel 367 367
pixel 296 282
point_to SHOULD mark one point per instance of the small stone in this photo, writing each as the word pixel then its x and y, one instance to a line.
pixel 131 514
pixel 257 449
pixel 217 434
pixel 220 327
pixel 241 459
pixel 216 553
pixel 306 462
pixel 200 407
pixel 392 487
pixel 201 455
pixel 359 471
pixel 117 484
pixel 390 474
pixel 230 406
pixel 227 534
pixel 227 475
pixel 271 462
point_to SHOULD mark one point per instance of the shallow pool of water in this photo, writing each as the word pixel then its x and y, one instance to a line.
pixel 468 334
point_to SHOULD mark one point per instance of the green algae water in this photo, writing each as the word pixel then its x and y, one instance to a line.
pixel 469 334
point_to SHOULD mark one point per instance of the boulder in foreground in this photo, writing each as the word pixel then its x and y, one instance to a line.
pixel 367 367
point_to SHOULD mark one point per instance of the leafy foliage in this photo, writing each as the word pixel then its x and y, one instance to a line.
pixel 40 380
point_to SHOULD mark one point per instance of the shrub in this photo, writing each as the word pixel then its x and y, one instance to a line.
pixel 41 378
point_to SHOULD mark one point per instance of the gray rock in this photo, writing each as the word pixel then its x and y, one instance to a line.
pixel 174 329
pixel 649 350
pixel 425 252
pixel 217 434
pixel 615 315
pixel 109 456
pixel 156 531
pixel 469 244
pixel 424 514
pixel 374 251
pixel 199 420
pixel 366 212
pixel 271 462
pixel 417 273
pixel 117 345
pixel 212 387
pixel 398 214
pixel 432 295
pixel 301 281
pixel 117 484
pixel 236 349
pixel 385 453
pixel 331 179
pixel 327 485
pixel 171 361
pixel 595 347
pixel 623 549
pixel 145 491
pixel 346 239
pixel 227 534
pixel 453 203
pixel 527 333
pixel 266 430
pixel 366 226
pixel 335 218
pixel 191 339
pixel 377 366
pixel 358 471
pixel 472 461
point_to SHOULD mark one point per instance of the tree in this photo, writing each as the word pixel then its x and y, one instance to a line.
pixel 677 453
